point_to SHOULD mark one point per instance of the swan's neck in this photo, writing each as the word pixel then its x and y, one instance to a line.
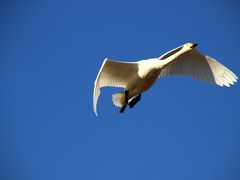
pixel 162 63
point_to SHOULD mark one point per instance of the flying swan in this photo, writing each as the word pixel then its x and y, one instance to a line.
pixel 137 77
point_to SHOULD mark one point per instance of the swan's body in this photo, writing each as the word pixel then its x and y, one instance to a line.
pixel 137 77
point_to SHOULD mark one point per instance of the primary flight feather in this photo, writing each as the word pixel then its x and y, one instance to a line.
pixel 137 77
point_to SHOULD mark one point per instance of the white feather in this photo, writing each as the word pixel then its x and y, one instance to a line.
pixel 137 77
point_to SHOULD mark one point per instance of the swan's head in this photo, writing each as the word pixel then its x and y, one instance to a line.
pixel 191 45
pixel 188 47
pixel 185 48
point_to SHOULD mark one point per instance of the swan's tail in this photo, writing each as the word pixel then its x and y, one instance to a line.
pixel 118 99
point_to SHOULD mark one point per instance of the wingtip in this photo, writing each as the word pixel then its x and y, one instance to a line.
pixel 95 111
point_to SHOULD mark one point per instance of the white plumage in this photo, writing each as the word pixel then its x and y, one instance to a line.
pixel 137 77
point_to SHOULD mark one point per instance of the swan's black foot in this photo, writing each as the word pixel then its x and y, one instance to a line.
pixel 126 102
pixel 123 109
pixel 134 101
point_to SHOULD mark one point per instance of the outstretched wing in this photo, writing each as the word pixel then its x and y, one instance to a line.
pixel 113 73
pixel 201 67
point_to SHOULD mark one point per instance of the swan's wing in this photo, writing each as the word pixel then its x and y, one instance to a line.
pixel 201 67
pixel 113 73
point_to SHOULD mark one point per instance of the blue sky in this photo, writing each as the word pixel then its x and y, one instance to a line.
pixel 51 52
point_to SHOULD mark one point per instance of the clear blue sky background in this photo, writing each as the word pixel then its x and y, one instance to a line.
pixel 50 54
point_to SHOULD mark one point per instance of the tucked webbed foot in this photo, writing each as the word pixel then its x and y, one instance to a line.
pixel 134 101
pixel 126 102
pixel 123 109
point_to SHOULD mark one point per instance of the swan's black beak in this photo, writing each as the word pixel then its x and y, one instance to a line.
pixel 194 45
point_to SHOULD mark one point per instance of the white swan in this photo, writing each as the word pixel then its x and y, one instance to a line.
pixel 137 77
